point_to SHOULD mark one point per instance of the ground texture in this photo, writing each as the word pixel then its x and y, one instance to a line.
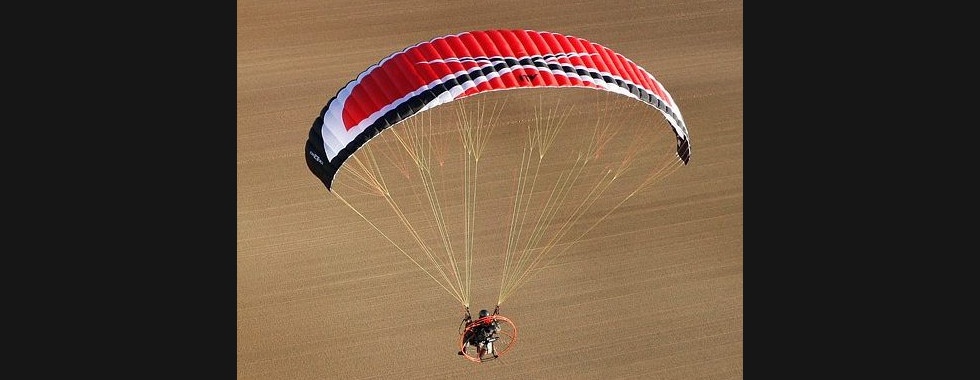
pixel 654 292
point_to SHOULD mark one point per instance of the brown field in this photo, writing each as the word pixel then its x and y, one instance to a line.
pixel 654 291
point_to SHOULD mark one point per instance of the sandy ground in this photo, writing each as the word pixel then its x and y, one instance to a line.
pixel 654 292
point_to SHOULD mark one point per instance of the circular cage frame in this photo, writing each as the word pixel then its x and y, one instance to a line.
pixel 510 334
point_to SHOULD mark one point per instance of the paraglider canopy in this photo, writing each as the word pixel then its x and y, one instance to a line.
pixel 456 66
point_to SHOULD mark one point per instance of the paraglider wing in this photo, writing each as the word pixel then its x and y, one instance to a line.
pixel 455 66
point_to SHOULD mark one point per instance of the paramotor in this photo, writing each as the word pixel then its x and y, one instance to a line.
pixel 518 176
